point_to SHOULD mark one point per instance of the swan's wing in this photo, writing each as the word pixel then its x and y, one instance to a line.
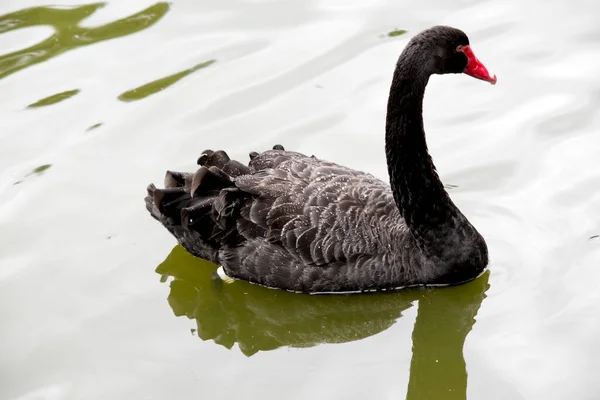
pixel 286 220
pixel 317 210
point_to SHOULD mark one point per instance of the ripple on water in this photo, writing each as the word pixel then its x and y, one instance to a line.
pixel 489 177
pixel 576 116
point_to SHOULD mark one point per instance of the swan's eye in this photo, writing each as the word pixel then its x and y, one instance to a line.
pixel 459 48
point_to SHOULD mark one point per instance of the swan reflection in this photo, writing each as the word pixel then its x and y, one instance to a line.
pixel 260 319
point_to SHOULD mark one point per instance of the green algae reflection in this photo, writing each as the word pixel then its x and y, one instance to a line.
pixel 68 34
pixel 397 32
pixel 160 84
pixel 36 171
pixel 40 169
pixel 95 126
pixel 55 98
pixel 260 319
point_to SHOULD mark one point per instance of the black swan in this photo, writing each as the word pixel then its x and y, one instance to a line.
pixel 302 224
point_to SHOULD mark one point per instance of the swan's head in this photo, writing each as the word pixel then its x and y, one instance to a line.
pixel 446 50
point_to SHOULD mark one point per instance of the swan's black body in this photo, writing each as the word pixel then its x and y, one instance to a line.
pixel 299 223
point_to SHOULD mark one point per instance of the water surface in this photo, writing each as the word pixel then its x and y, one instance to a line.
pixel 99 99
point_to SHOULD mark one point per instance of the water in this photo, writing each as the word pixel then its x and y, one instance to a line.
pixel 97 100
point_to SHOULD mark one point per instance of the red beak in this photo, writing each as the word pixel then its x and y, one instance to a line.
pixel 475 68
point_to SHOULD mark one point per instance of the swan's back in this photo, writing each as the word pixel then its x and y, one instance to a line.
pixel 288 221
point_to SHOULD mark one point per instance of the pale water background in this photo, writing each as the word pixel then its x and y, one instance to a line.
pixel 98 100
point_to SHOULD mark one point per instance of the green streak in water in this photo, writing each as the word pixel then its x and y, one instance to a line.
pixel 55 98
pixel 261 319
pixel 40 169
pixel 36 171
pixel 397 33
pixel 68 34
pixel 95 126
pixel 160 84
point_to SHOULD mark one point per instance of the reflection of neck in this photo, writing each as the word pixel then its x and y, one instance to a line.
pixel 446 316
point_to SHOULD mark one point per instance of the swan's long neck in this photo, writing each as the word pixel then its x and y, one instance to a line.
pixel 418 191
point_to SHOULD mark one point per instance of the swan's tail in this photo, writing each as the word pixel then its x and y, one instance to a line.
pixel 201 209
